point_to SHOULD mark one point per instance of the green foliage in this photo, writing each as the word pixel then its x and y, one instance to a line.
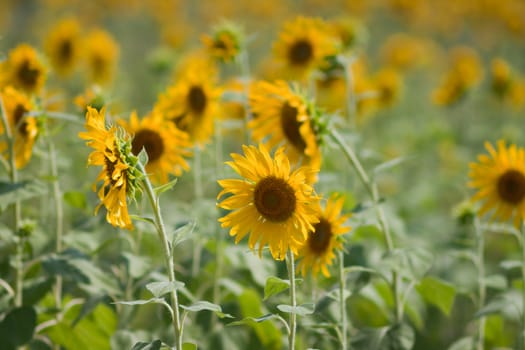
pixel 17 327
pixel 437 292
pixel 20 191
pixel 396 337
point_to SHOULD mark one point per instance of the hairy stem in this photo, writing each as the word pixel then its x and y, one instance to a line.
pixel 342 303
pixel 480 242
pixel 293 302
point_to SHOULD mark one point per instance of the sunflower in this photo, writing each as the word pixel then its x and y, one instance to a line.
pixel 165 145
pixel 118 174
pixel 62 46
pixel 500 181
pixel 303 45
pixel 271 204
pixel 16 105
pixel 101 53
pixel 224 44
pixel 318 251
pixel 192 104
pixel 283 117
pixel 23 69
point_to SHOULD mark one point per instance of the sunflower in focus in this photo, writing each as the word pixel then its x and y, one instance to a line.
pixel 62 46
pixel 118 174
pixel 284 119
pixel 165 145
pixel 192 104
pixel 101 54
pixel 224 44
pixel 271 204
pixel 24 129
pixel 23 69
pixel 303 45
pixel 499 179
pixel 318 252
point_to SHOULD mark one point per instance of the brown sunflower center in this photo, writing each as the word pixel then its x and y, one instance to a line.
pixel 319 239
pixel 27 74
pixel 511 186
pixel 65 50
pixel 274 199
pixel 290 126
pixel 220 44
pixel 20 124
pixel 301 52
pixel 197 99
pixel 149 140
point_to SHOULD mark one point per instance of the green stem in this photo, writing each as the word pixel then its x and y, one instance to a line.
pixel 161 230
pixel 522 333
pixel 293 316
pixel 342 303
pixel 218 231
pixel 245 74
pixel 197 182
pixel 480 241
pixel 373 192
pixel 351 101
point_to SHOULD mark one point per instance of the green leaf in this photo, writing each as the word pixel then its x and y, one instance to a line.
pixel 183 233
pixel 159 289
pixel 76 199
pixel 166 187
pixel 140 301
pixel 498 282
pixel 367 232
pixel 381 168
pixel 189 346
pixel 507 305
pixel 202 305
pixel 138 266
pixel 466 343
pixel 396 337
pixel 510 264
pixel 274 286
pixel 412 263
pixel 249 320
pixel 143 157
pixel 143 218
pixel 20 191
pixel 154 345
pixel 437 292
pixel 301 310
pixel 17 327
pixel 123 339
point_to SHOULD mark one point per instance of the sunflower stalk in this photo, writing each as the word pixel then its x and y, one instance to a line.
pixel 197 181
pixel 351 98
pixel 244 65
pixel 163 236
pixel 293 302
pixel 480 242
pixel 371 187
pixel 521 340
pixel 342 303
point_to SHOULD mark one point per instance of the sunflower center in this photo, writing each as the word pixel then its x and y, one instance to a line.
pixel 197 99
pixel 27 75
pixel 110 167
pixel 319 239
pixel 274 199
pixel 20 124
pixel 511 186
pixel 301 52
pixel 149 140
pixel 290 126
pixel 219 44
pixel 65 50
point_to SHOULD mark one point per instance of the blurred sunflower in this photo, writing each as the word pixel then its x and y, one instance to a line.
pixel 224 44
pixel 501 77
pixel 319 249
pixel 24 129
pixel 165 145
pixel 271 204
pixel 500 182
pixel 62 46
pixel 101 54
pixel 303 45
pixel 23 69
pixel 192 104
pixel 119 176
pixel 283 118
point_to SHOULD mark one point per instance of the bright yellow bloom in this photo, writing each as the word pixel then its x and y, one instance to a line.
pixel 23 69
pixel 319 249
pixel 282 118
pixel 62 46
pixel 101 53
pixel 23 128
pixel 115 174
pixel 271 204
pixel 500 182
pixel 165 145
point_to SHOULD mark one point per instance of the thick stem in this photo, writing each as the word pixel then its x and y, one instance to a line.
pixel 480 242
pixel 373 192
pixel 293 302
pixel 522 333
pixel 197 182
pixel 218 231
pixel 161 230
pixel 342 301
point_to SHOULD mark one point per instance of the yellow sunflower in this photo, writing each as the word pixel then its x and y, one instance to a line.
pixel 224 44
pixel 192 104
pixel 318 251
pixel 500 182
pixel 101 53
pixel 303 45
pixel 23 69
pixel 16 105
pixel 62 46
pixel 283 118
pixel 165 145
pixel 271 204
pixel 117 174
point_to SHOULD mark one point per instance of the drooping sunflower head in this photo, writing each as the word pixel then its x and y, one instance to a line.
pixel 350 32
pixel 23 69
pixel 501 77
pixel 272 204
pixel 165 145
pixel 324 240
pixel 303 45
pixel 224 43
pixel 62 46
pixel 284 118
pixel 93 96
pixel 101 54
pixel 24 129
pixel 499 179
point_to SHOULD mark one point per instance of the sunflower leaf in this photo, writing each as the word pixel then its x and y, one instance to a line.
pixel 248 320
pixel 166 187
pixel 275 285
pixel 182 233
pixel 438 293
pixel 158 289
pixel 154 345
pixel 143 156
pixel 301 310
pixel 19 191
pixel 389 164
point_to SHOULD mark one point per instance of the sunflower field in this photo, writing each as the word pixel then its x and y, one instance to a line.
pixel 280 174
